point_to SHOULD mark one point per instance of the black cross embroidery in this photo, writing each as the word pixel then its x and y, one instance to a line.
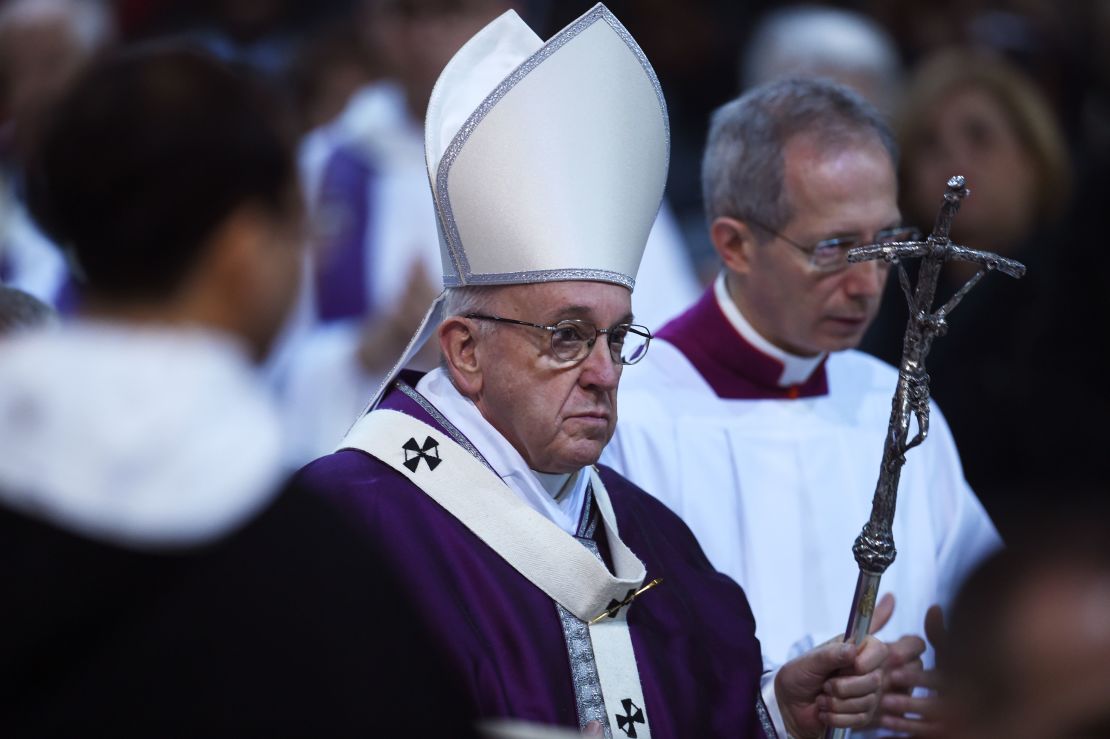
pixel 414 453
pixel 615 606
pixel 631 718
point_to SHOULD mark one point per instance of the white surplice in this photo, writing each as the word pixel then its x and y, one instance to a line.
pixel 777 489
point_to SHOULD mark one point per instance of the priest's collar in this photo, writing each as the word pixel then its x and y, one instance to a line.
pixel 736 361
pixel 557 497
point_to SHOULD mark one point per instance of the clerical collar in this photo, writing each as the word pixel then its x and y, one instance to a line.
pixel 734 359
pixel 558 497
pixel 795 370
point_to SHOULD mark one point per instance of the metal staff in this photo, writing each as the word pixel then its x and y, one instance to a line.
pixel 874 547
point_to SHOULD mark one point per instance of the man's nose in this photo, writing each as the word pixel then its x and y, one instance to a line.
pixel 598 368
pixel 865 279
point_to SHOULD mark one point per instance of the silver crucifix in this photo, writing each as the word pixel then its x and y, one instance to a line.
pixel 874 548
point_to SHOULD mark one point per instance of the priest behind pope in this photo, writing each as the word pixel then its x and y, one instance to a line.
pixel 756 421
pixel 563 593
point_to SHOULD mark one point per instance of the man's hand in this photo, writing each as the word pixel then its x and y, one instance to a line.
pixel 916 716
pixel 835 684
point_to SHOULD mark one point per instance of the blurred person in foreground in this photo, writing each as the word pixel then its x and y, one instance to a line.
pixel 20 311
pixel 567 595
pixel 977 115
pixel 160 577
pixel 756 421
pixel 376 261
pixel 44 45
pixel 1028 651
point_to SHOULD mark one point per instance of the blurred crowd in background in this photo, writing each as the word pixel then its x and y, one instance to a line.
pixel 1012 94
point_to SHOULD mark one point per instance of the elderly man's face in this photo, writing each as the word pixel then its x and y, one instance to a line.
pixel 848 191
pixel 559 416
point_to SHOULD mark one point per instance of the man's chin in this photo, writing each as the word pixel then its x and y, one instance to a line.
pixel 841 342
pixel 582 453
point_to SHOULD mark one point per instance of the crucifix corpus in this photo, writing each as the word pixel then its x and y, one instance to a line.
pixel 874 547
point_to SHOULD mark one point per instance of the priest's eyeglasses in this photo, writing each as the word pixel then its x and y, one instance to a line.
pixel 572 340
pixel 831 255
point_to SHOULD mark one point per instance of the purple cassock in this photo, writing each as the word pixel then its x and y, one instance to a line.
pixel 693 635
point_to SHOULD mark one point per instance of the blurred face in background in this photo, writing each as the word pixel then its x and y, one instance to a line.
pixel 416 38
pixel 42 49
pixel 970 133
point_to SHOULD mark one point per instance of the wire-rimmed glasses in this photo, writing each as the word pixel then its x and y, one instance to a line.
pixel 831 255
pixel 573 339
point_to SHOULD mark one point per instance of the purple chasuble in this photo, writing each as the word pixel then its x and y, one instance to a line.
pixel 734 368
pixel 344 206
pixel 693 635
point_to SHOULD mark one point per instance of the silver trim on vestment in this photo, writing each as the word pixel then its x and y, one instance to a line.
pixel 456 435
pixel 764 715
pixel 590 521
pixel 448 226
pixel 583 671
pixel 576 632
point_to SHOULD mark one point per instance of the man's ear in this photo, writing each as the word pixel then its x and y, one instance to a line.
pixel 735 243
pixel 458 339
pixel 223 285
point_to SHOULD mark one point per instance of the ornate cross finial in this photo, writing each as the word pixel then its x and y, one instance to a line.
pixel 874 548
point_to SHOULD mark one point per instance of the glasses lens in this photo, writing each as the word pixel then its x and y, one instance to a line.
pixel 570 341
pixel 628 344
pixel 832 254
pixel 902 233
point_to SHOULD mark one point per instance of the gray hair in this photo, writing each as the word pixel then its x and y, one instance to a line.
pixel 742 172
pixel 21 311
pixel 458 301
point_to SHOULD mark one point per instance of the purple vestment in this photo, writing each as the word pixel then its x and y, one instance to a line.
pixel 693 635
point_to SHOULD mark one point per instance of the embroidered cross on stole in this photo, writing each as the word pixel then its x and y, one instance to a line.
pixel 544 554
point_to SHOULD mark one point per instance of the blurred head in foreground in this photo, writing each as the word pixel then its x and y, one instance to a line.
pixel 1029 644
pixel 168 179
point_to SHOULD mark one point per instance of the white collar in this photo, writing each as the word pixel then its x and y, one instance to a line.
pixel 555 497
pixel 795 370
pixel 144 437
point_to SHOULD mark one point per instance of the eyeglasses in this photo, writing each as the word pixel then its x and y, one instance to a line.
pixel 572 340
pixel 831 255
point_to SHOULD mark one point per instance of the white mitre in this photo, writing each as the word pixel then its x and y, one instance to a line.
pixel 547 161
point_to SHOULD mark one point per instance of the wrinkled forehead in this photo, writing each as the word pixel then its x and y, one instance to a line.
pixel 600 302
